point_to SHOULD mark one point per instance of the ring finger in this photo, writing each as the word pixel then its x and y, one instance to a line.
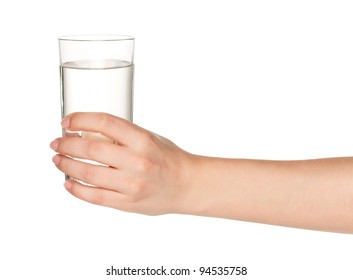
pixel 97 175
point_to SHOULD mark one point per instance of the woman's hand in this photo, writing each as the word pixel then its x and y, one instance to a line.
pixel 145 173
pixel 140 172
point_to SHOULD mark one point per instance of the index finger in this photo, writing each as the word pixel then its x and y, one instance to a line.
pixel 115 128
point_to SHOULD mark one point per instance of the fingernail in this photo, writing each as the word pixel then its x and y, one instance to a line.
pixel 65 122
pixel 56 159
pixel 68 185
pixel 54 145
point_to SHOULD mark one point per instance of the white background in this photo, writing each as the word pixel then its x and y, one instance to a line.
pixel 252 79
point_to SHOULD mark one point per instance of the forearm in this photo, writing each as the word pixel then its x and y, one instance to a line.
pixel 315 194
pixel 149 174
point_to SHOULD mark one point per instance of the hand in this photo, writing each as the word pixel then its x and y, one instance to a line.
pixel 146 173
pixel 141 172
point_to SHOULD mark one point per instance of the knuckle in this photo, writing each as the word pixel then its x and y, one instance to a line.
pixel 133 204
pixel 59 164
pixel 75 120
pixel 143 165
pixel 88 174
pixel 146 138
pixel 136 189
pixel 98 198
pixel 62 146
pixel 93 148
pixel 105 121
pixel 134 186
pixel 90 194
pixel 133 207
pixel 62 163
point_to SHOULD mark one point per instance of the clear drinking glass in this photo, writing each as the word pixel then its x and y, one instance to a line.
pixel 96 75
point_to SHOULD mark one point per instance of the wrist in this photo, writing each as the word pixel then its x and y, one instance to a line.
pixel 192 191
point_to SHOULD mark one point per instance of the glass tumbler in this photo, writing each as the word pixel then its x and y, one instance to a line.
pixel 96 75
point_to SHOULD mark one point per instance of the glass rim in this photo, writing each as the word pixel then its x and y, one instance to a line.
pixel 95 37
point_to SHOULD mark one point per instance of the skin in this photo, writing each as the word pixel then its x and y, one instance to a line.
pixel 145 173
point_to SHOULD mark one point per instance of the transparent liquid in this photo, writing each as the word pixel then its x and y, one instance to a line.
pixel 97 86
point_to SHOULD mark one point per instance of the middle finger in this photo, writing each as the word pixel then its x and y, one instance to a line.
pixel 103 152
